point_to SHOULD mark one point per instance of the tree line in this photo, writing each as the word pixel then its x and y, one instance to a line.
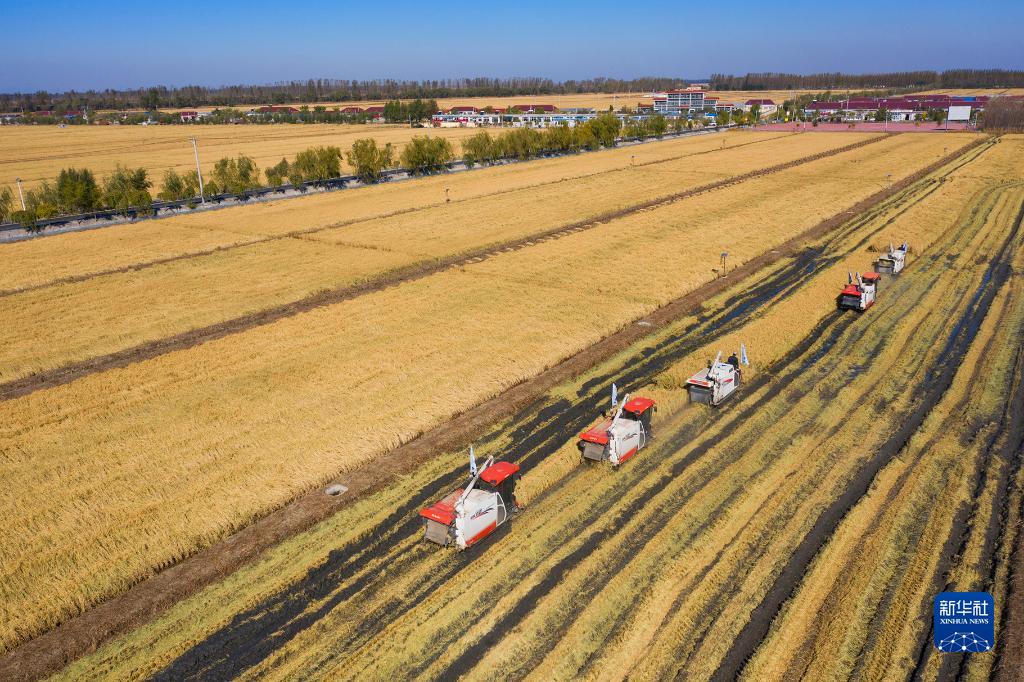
pixel 321 90
pixel 952 78
pixel 127 190
pixel 1003 115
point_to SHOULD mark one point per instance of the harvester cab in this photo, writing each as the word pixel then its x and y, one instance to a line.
pixel 619 438
pixel 893 261
pixel 468 515
pixel 719 380
pixel 859 294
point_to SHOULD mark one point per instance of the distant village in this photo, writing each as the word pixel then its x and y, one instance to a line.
pixel 691 103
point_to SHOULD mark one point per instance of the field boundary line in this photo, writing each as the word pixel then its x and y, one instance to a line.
pixel 53 650
pixel 148 350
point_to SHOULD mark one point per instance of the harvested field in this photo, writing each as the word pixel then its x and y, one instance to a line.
pixel 704 557
pixel 728 536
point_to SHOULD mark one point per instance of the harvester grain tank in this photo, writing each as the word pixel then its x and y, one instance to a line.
pixel 719 380
pixel 893 261
pixel 859 294
pixel 619 438
pixel 468 515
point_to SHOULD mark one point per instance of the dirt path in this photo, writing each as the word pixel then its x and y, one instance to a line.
pixel 53 650
pixel 145 351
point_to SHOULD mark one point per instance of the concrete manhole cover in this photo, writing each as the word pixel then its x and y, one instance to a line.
pixel 335 490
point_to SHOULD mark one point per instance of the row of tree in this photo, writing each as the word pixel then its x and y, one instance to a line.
pixel 127 190
pixel 1003 114
pixel 322 90
pixel 953 78
pixel 76 190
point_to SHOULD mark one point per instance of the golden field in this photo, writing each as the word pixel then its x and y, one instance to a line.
pixel 37 153
pixel 652 572
pixel 252 419
pixel 32 263
pixel 112 312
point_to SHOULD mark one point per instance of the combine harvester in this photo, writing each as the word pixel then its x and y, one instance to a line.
pixel 619 438
pixel 893 261
pixel 470 514
pixel 859 294
pixel 719 380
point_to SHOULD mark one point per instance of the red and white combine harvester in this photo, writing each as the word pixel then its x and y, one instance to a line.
pixel 893 261
pixel 468 515
pixel 619 438
pixel 719 380
pixel 859 294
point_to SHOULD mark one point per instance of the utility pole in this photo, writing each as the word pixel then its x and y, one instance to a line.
pixel 199 172
pixel 20 193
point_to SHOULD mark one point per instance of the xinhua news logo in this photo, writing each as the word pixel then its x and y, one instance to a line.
pixel 964 622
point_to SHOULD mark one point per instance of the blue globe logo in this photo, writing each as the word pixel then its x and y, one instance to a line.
pixel 960 642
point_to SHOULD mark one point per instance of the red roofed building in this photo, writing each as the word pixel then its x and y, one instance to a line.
pixel 535 108
pixel 765 107
pixel 463 110
pixel 352 110
pixel 276 110
pixel 188 116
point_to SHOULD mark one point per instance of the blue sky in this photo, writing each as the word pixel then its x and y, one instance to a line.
pixel 80 45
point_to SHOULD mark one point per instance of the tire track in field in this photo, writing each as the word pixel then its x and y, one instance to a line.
pixel 528 451
pixel 939 380
pixel 898 311
pixel 806 649
pixel 145 265
pixel 810 427
pixel 52 650
pixel 1011 426
pixel 536 438
pixel 892 584
pixel 403 275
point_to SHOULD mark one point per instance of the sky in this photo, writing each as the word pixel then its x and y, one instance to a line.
pixel 58 45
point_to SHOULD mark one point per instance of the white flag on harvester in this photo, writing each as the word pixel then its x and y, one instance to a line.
pixel 615 395
pixel 743 354
pixel 472 462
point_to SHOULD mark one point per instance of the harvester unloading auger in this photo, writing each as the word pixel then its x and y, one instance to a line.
pixel 859 294
pixel 719 380
pixel 468 515
pixel 619 438
pixel 893 261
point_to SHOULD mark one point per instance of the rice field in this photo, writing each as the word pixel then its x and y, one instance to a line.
pixel 809 499
pixel 37 153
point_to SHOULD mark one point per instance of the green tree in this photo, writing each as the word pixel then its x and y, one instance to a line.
pixel 233 176
pixel 881 115
pixel 427 154
pixel 6 205
pixel 368 160
pixel 276 174
pixel 77 191
pixel 520 143
pixel 315 164
pixel 606 127
pixel 127 188
pixel 395 112
pixel 150 100
pixel 177 187
pixel 479 148
pixel 657 125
